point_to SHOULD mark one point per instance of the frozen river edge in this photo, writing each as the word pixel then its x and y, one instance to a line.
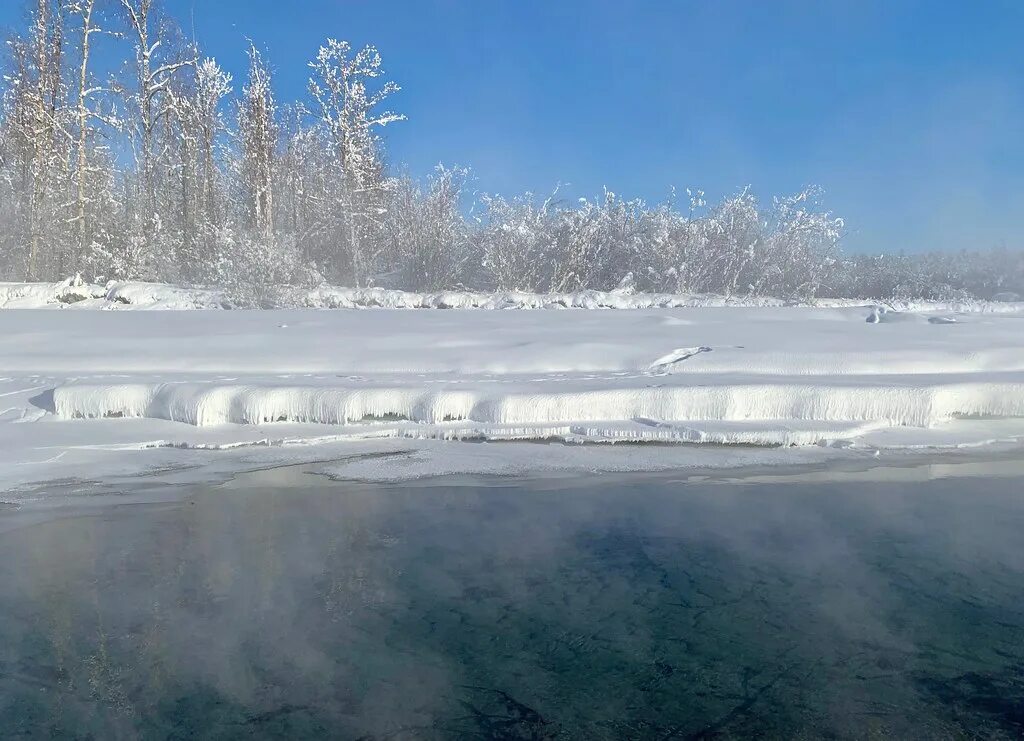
pixel 89 394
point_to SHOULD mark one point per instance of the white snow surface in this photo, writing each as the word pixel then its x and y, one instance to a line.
pixel 87 393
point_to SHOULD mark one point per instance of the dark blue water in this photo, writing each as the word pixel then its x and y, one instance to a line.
pixel 604 607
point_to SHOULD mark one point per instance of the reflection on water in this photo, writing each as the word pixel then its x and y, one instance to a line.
pixel 608 607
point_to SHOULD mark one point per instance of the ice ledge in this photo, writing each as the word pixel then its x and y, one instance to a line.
pixel 770 413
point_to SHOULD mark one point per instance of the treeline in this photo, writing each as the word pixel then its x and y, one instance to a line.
pixel 126 153
pixel 996 273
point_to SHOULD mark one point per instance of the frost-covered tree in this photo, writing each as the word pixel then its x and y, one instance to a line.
pixel 347 88
pixel 37 143
pixel 196 129
pixel 85 115
pixel 257 137
pixel 303 182
pixel 159 58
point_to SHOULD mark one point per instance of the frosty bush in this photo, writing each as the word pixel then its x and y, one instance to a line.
pixel 530 245
pixel 991 274
pixel 253 270
pixel 426 238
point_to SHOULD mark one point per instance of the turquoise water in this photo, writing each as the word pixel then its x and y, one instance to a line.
pixel 595 607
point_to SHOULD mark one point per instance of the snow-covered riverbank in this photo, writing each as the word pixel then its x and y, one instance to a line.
pixel 85 388
pixel 133 296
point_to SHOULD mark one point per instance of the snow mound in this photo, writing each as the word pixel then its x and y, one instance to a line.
pixel 41 295
pixel 160 296
pixel 77 294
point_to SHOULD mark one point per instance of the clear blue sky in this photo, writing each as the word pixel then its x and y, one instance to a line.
pixel 910 113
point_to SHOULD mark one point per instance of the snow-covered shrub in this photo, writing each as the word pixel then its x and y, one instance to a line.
pixel 253 270
pixel 595 244
pixel 427 244
pixel 799 251
pixel 514 241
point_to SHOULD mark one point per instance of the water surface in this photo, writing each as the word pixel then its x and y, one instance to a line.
pixel 627 606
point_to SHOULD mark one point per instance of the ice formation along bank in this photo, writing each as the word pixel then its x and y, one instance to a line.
pixel 768 375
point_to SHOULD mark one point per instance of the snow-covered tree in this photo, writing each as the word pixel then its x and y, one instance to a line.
pixel 258 135
pixel 158 61
pixel 37 141
pixel 195 130
pixel 346 86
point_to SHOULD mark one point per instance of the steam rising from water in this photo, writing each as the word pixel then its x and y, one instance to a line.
pixel 576 608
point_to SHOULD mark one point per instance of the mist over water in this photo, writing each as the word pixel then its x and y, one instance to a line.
pixel 600 607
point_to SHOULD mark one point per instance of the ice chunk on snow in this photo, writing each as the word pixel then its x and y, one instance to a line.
pixel 664 363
